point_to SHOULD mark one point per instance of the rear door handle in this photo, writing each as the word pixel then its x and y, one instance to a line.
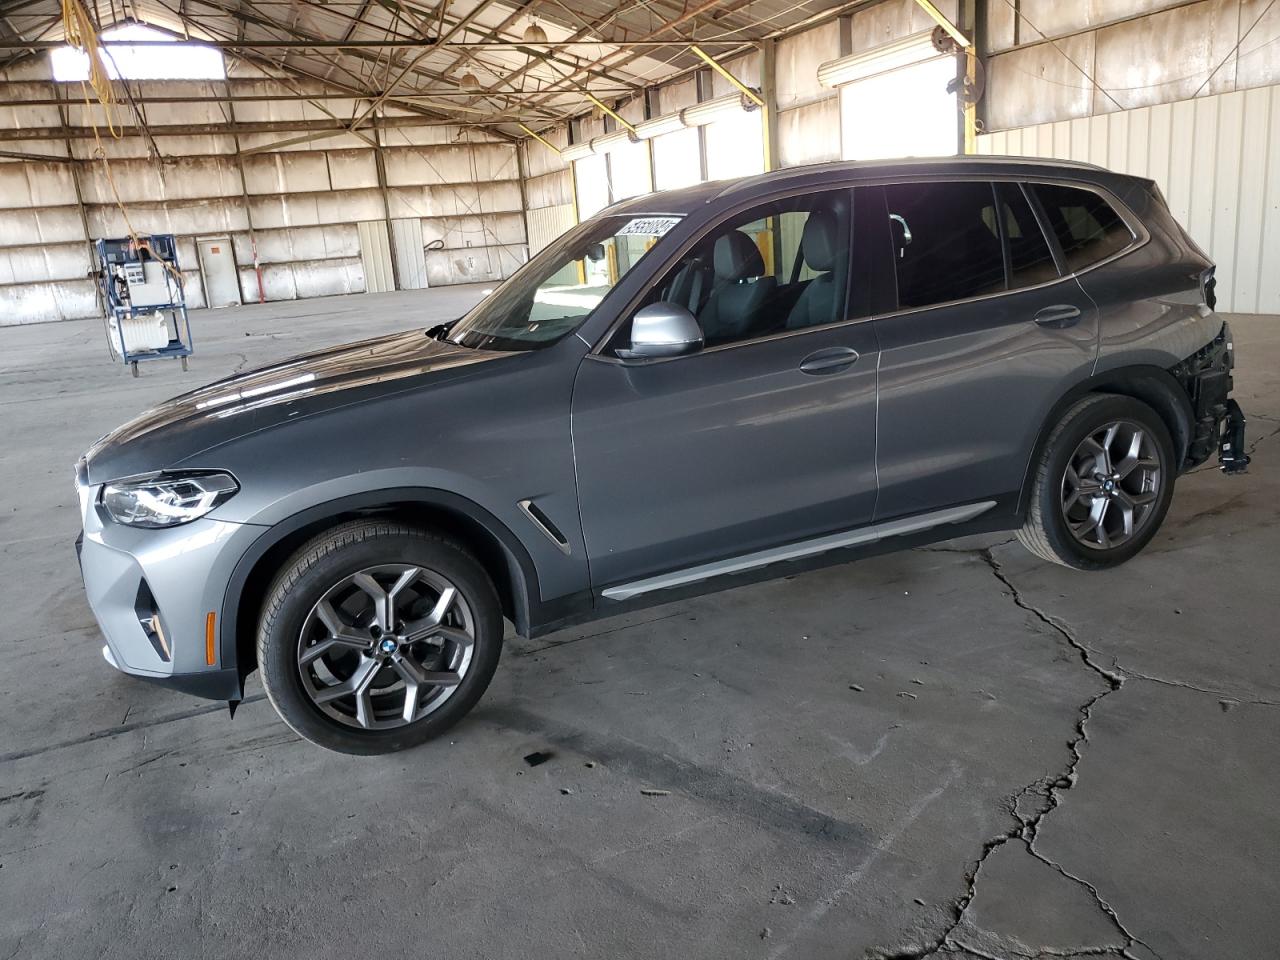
pixel 831 360
pixel 1058 316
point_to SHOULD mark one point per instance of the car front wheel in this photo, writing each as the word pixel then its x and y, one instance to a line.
pixel 376 636
pixel 1102 485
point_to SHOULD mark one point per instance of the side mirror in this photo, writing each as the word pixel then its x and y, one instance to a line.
pixel 662 329
pixel 595 252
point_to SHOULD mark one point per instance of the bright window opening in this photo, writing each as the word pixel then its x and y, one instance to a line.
pixel 903 113
pixel 175 60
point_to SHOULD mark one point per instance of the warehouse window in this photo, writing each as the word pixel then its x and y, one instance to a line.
pixel 164 57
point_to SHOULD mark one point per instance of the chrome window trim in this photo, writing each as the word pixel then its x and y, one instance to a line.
pixel 1141 237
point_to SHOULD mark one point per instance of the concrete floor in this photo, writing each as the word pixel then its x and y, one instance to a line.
pixel 956 750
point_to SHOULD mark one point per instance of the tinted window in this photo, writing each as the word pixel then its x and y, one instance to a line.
pixel 780 266
pixel 1087 228
pixel 1030 259
pixel 947 241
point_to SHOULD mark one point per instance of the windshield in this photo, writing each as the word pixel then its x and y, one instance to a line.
pixel 554 292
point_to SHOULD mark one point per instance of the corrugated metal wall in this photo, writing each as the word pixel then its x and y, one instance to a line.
pixel 461 185
pixel 406 245
pixel 1217 160
pixel 375 254
pixel 547 223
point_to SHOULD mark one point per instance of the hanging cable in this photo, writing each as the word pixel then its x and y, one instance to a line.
pixel 82 34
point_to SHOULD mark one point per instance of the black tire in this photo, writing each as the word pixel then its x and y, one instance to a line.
pixel 326 560
pixel 1045 532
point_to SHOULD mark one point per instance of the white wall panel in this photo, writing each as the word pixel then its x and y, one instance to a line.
pixel 809 134
pixel 1217 161
pixel 547 223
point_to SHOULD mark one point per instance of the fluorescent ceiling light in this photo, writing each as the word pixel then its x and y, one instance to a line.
pixel 658 126
pixel 890 56
pixel 700 114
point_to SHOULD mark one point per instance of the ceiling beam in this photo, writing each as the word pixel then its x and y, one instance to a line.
pixel 269 97
pixel 319 43
pixel 244 128
pixel 571 79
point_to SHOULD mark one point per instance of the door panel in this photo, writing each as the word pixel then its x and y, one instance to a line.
pixel 965 386
pixel 724 451
pixel 964 390
pixel 218 268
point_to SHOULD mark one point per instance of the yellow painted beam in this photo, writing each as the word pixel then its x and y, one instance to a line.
pixel 542 140
pixel 711 62
pixel 610 112
pixel 970 69
pixel 944 22
pixel 970 109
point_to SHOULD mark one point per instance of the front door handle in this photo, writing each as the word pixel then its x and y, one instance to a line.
pixel 1058 316
pixel 831 360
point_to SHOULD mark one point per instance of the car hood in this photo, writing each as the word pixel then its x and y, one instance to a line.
pixel 301 386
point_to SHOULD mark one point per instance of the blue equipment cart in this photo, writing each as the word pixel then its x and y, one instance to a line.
pixel 146 309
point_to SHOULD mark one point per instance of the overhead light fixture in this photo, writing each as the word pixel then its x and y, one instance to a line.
pixel 890 56
pixel 700 114
pixel 535 34
pixel 721 108
pixel 658 126
pixel 468 81
pixel 576 151
pixel 598 146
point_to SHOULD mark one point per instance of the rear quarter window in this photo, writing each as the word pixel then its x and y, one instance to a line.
pixel 1087 227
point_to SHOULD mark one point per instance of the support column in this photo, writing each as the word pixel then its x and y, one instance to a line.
pixel 244 199
pixel 769 110
pixel 381 167
pixel 74 164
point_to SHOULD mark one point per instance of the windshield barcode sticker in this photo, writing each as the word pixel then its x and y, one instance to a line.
pixel 649 226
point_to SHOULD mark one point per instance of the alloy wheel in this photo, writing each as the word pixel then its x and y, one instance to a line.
pixel 386 646
pixel 1111 484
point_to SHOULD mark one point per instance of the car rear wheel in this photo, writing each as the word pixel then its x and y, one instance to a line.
pixel 1103 484
pixel 377 636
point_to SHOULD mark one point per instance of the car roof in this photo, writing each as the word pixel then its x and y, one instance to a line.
pixel 693 198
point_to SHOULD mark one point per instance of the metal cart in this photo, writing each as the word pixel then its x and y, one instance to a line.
pixel 142 296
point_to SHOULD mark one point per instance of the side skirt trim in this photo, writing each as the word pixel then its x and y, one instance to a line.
pixel 795 551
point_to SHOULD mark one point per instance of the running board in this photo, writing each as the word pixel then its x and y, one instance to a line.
pixel 796 551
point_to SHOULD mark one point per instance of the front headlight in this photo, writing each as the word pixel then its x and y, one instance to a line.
pixel 166 500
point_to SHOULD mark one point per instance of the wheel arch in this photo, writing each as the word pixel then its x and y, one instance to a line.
pixel 1153 385
pixel 501 554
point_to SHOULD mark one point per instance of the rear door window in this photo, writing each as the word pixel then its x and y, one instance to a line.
pixel 1030 258
pixel 947 241
pixel 1087 227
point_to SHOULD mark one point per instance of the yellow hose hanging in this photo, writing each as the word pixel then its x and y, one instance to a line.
pixel 82 33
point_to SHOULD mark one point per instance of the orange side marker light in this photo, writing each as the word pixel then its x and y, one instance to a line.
pixel 211 638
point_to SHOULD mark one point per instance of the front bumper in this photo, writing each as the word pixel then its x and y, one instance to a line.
pixel 153 593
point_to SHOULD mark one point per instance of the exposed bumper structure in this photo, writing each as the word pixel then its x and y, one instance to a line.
pixel 158 594
pixel 1219 421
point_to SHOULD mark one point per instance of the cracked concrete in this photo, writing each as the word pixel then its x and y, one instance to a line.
pixel 957 751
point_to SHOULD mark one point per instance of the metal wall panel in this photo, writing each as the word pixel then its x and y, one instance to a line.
pixel 1217 161
pixel 547 223
pixel 375 254
pixel 406 240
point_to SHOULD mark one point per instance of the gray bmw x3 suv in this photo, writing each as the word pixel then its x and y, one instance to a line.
pixel 692 389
